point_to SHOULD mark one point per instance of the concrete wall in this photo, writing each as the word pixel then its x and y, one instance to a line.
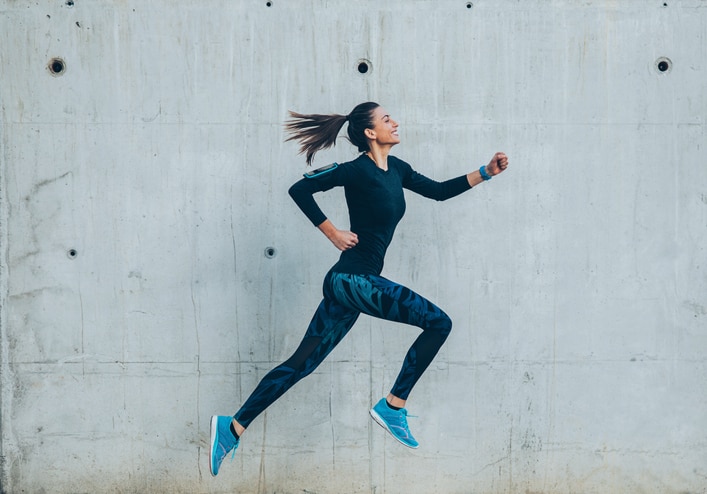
pixel 142 185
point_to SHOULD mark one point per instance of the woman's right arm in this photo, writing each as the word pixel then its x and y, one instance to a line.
pixel 498 164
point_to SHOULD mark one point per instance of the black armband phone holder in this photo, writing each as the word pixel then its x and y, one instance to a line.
pixel 321 171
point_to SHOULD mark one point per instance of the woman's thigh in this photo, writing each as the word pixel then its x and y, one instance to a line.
pixel 386 299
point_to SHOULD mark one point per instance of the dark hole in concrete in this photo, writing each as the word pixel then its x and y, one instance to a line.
pixel 57 66
pixel 663 64
pixel 363 67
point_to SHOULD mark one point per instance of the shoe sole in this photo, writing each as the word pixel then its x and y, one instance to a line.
pixel 379 420
pixel 214 425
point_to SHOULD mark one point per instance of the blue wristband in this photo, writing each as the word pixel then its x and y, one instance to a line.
pixel 484 174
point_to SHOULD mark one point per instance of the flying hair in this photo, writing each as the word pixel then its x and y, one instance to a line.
pixel 315 132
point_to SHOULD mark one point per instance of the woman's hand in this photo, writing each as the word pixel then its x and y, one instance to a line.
pixel 498 163
pixel 342 239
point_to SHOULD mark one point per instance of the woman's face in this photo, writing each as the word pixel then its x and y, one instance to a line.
pixel 385 129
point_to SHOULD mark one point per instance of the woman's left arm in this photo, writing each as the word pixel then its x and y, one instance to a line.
pixel 498 163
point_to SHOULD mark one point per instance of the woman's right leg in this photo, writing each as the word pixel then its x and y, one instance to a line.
pixel 328 327
pixel 331 322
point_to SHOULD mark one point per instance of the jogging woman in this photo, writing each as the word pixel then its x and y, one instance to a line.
pixel 373 185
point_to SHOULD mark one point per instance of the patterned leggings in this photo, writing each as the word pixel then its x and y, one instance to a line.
pixel 345 297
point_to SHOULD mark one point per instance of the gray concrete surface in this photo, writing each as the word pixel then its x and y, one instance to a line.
pixel 142 185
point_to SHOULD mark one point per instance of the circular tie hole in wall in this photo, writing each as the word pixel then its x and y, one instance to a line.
pixel 268 3
pixel 56 66
pixel 72 253
pixel 663 65
pixel 270 252
pixel 469 5
pixel 364 66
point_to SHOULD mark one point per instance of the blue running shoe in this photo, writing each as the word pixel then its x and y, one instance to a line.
pixel 222 441
pixel 395 422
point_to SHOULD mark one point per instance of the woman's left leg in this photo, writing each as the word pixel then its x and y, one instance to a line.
pixel 386 299
pixel 380 297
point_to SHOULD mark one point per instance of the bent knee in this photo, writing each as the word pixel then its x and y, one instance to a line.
pixel 448 324
pixel 442 324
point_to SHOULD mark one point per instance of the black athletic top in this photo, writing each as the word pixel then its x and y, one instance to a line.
pixel 376 204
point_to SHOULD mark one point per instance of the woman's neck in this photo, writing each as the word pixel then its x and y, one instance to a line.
pixel 379 156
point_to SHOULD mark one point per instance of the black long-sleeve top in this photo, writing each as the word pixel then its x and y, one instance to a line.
pixel 376 204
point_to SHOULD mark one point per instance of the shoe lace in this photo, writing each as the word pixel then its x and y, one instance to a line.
pixel 403 418
pixel 224 452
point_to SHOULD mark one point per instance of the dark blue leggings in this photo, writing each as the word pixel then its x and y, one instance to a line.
pixel 345 297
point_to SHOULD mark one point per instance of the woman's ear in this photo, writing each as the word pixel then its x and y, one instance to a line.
pixel 369 133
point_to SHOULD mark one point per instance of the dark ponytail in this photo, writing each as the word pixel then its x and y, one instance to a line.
pixel 315 132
